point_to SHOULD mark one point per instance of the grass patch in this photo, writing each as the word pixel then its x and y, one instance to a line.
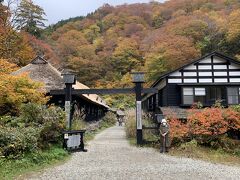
pixel 192 150
pixel 9 169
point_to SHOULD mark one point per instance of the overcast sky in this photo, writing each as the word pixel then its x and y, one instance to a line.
pixel 57 10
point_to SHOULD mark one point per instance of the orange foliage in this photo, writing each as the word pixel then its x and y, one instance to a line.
pixel 233 118
pixel 178 129
pixel 42 48
pixel 208 121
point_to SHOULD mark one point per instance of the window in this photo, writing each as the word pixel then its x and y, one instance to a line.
pixel 216 93
pixel 233 95
pixel 200 95
pixel 187 95
pixel 200 92
pixel 191 95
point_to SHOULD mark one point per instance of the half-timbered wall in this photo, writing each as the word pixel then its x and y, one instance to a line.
pixel 210 70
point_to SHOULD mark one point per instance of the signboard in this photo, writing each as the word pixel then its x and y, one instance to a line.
pixel 139 115
pixel 74 141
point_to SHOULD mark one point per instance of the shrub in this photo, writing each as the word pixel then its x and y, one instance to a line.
pixel 178 131
pixel 213 121
pixel 36 128
pixel 209 121
pixel 51 120
pixel 17 141
pixel 226 144
pixel 206 126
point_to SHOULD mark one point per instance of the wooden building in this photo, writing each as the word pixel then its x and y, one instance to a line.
pixel 90 107
pixel 208 79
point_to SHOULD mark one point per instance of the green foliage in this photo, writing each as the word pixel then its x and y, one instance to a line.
pixel 17 141
pixel 236 108
pixel 36 128
pixel 226 144
pixel 156 66
pixel 121 101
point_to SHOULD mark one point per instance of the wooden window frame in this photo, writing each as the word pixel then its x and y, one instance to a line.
pixel 238 87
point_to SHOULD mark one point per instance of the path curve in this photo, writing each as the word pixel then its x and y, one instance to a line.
pixel 111 157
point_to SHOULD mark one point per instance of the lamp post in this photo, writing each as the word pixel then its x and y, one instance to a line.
pixel 138 79
pixel 69 80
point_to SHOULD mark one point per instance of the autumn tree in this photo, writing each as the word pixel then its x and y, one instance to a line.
pixel 126 56
pixel 69 42
pixel 15 90
pixel 167 52
pixel 14 45
pixel 6 67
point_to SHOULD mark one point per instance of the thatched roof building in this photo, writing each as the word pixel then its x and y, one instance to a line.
pixel 42 71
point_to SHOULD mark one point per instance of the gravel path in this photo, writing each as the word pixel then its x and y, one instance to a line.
pixel 110 157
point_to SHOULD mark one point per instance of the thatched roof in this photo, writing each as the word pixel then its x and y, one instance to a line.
pixel 42 71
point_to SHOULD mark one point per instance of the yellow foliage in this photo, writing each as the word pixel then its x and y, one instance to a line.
pixel 15 90
pixel 6 67
pixel 234 25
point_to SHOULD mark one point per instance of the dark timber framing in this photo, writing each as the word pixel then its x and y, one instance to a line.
pixel 138 90
pixel 103 91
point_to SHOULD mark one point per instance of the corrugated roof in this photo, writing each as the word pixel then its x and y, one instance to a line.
pixel 42 71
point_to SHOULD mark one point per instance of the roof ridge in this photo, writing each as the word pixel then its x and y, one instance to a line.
pixel 39 60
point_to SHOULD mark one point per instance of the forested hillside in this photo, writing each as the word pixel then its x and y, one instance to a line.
pixel 107 44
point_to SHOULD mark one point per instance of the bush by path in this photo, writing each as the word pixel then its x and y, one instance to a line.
pixel 36 128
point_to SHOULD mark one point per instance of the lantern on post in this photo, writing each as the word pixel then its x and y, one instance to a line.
pixel 138 79
pixel 69 79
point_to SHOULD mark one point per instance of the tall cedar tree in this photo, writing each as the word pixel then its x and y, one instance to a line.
pixel 30 18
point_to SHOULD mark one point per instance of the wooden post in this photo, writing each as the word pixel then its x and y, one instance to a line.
pixel 138 89
pixel 68 100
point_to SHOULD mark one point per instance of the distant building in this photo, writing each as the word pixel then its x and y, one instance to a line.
pixel 91 106
pixel 208 79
